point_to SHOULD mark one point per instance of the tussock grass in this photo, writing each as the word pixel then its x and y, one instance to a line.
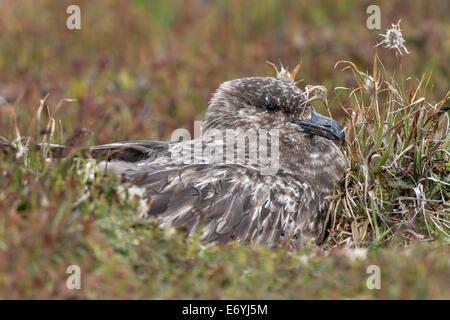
pixel 397 187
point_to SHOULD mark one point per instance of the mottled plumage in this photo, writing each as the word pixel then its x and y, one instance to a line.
pixel 234 200
pixel 234 197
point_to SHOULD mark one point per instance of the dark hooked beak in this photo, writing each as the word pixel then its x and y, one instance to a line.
pixel 322 126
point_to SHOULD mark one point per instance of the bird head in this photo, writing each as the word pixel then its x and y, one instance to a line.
pixel 265 103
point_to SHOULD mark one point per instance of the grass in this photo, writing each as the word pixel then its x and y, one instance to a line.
pixel 398 185
pixel 136 79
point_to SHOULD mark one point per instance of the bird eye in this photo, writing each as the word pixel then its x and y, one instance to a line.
pixel 271 108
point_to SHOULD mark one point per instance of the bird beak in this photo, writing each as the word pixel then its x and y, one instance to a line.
pixel 322 126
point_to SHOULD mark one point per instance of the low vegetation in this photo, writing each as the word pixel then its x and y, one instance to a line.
pixel 393 209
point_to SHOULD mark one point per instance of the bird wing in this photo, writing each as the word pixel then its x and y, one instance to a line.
pixel 131 151
pixel 227 202
pixel 127 151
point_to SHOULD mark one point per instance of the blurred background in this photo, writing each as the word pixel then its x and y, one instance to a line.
pixel 140 69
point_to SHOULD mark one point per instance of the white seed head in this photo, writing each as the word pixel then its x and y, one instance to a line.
pixel 393 39
pixel 285 74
